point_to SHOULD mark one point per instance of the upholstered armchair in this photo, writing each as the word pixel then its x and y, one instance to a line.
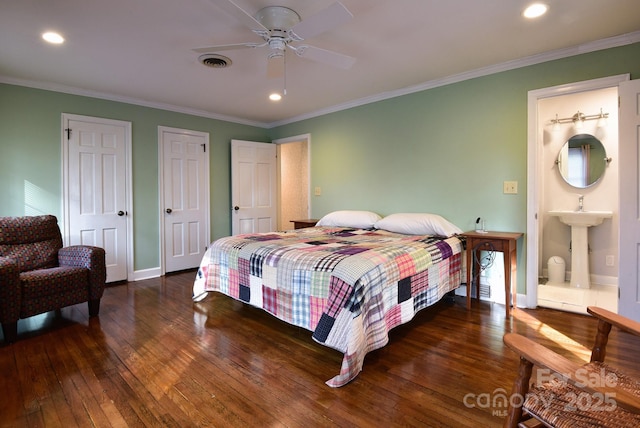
pixel 38 275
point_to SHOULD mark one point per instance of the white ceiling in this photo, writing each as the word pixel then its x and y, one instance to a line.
pixel 140 51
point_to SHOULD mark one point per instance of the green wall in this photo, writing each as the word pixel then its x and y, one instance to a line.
pixel 31 158
pixel 445 150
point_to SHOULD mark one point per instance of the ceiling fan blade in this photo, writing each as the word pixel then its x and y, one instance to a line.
pixel 275 67
pixel 226 47
pixel 241 15
pixel 328 18
pixel 327 57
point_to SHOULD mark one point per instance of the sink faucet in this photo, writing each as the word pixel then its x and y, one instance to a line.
pixel 580 202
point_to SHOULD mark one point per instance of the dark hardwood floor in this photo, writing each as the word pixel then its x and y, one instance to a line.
pixel 153 358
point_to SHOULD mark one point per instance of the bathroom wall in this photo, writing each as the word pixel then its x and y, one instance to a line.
pixel 558 195
pixel 294 183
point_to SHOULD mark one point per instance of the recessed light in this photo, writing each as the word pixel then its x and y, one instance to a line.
pixel 535 10
pixel 275 97
pixel 52 37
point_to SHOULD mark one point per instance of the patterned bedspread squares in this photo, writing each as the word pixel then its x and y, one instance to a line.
pixel 348 286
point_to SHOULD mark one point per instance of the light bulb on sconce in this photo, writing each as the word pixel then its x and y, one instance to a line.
pixel 602 120
pixel 601 126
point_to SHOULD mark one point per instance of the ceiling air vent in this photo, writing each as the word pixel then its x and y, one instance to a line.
pixel 214 61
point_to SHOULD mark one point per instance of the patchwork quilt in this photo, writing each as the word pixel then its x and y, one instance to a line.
pixel 350 287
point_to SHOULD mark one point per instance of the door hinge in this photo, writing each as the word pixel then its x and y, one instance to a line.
pixel 68 131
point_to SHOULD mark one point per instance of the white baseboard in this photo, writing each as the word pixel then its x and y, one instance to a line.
pixel 139 275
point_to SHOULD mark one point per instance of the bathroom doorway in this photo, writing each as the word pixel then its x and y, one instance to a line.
pixel 293 172
pixel 551 127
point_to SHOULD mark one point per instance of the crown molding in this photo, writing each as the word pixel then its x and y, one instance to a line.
pixel 48 86
pixel 611 42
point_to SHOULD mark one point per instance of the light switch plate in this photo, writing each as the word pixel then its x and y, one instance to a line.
pixel 510 187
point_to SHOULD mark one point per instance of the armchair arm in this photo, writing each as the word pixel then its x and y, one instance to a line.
pixel 607 319
pixel 612 318
pixel 92 258
pixel 567 370
pixel 10 291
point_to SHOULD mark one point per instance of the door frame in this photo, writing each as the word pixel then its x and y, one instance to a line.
pixel 161 183
pixel 628 209
pixel 128 182
pixel 535 171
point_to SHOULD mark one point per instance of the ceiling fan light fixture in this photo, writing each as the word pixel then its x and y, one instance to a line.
pixel 277 45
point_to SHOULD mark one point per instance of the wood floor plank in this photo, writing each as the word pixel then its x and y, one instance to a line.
pixel 153 358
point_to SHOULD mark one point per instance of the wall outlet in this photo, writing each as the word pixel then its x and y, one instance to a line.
pixel 609 260
pixel 510 187
pixel 317 191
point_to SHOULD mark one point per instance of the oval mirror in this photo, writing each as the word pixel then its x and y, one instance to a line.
pixel 582 160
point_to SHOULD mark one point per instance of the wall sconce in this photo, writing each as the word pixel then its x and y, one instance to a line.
pixel 578 118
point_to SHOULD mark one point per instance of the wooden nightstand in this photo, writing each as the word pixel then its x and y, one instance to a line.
pixel 504 242
pixel 307 222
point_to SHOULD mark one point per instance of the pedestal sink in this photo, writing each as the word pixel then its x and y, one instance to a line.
pixel 579 221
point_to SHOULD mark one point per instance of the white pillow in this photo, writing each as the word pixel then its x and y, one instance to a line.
pixel 356 219
pixel 418 224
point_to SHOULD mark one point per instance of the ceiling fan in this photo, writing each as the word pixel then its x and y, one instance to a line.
pixel 281 30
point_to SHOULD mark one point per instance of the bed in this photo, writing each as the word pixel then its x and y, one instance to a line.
pixel 348 282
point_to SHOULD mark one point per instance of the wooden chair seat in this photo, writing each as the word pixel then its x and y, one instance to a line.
pixel 561 404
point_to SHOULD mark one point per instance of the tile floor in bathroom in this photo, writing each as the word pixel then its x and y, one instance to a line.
pixel 563 297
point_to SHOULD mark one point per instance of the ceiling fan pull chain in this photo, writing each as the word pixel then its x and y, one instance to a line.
pixel 284 74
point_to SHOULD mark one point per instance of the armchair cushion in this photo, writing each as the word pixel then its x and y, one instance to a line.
pixel 54 287
pixel 33 242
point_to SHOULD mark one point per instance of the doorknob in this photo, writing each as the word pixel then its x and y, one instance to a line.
pixel 120 213
pixel 236 208
pixel 168 210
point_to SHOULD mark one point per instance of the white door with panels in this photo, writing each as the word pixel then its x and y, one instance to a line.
pixel 97 188
pixel 184 172
pixel 253 187
pixel 629 153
